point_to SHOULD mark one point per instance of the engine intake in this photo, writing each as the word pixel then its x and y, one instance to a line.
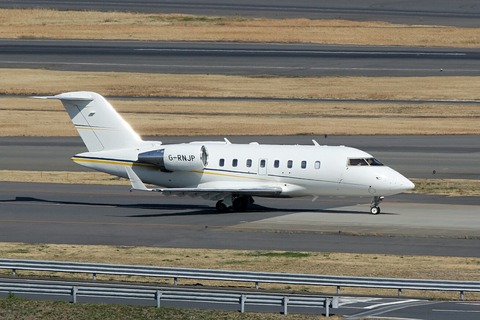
pixel 181 157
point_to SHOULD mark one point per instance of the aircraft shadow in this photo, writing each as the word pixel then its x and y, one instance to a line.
pixel 366 212
pixel 335 211
pixel 192 209
pixel 143 206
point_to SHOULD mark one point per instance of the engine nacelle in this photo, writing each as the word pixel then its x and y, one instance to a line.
pixel 179 157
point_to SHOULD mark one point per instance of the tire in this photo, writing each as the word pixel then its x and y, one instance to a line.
pixel 221 207
pixel 375 210
pixel 240 204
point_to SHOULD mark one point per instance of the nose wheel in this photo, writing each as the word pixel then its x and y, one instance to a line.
pixel 374 206
pixel 375 210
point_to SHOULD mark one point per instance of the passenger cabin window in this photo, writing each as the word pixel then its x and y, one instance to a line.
pixel 317 165
pixel 249 163
pixel 234 162
pixel 364 162
pixel 221 163
pixel 290 164
pixel 276 163
pixel 262 163
pixel 304 164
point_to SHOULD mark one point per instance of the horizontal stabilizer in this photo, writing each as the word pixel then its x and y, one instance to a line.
pixel 137 183
pixel 69 96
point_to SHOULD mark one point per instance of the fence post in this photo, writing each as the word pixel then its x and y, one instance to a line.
pixel 14 272
pixel 338 289
pixel 175 281
pixel 94 276
pixel 158 297
pixel 462 295
pixel 400 292
pixel 285 305
pixel 257 285
pixel 327 307
pixel 243 298
pixel 74 294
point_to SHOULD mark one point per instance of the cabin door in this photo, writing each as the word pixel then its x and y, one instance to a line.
pixel 262 167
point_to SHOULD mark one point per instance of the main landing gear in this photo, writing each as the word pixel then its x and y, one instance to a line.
pixel 236 203
pixel 374 206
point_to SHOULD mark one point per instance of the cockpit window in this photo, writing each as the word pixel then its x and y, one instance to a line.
pixel 374 162
pixel 357 162
pixel 364 162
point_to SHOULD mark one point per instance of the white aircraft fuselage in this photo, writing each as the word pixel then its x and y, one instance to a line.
pixel 219 170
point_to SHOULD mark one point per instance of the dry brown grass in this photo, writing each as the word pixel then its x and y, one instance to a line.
pixel 426 267
pixel 346 264
pixel 448 187
pixel 32 82
pixel 237 117
pixel 24 116
pixel 38 23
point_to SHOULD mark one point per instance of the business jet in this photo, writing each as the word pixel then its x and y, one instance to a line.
pixel 231 174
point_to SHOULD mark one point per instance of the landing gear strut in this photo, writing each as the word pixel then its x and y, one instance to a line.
pixel 374 206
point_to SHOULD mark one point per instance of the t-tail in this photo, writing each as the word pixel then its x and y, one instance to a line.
pixel 99 125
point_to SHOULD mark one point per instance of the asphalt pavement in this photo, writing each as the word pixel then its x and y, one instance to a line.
pixel 281 59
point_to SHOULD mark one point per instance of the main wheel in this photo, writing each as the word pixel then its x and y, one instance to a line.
pixel 375 210
pixel 221 207
pixel 240 203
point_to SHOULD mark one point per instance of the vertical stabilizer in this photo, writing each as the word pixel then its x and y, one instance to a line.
pixel 97 122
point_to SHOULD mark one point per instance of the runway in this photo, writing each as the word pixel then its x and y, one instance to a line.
pixel 85 214
pixel 110 215
pixel 237 58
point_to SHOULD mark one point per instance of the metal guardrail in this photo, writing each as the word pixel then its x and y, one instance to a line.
pixel 243 276
pixel 157 295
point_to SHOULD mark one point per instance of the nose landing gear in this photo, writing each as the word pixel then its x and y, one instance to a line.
pixel 374 206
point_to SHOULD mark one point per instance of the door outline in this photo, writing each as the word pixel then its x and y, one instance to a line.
pixel 262 167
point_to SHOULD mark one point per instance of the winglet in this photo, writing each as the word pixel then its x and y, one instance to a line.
pixel 137 183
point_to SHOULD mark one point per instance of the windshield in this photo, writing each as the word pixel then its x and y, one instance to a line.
pixel 364 162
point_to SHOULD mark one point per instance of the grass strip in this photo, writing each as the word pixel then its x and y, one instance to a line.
pixel 344 264
pixel 53 24
pixel 246 117
pixel 126 84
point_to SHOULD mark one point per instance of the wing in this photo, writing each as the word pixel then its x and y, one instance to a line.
pixel 214 193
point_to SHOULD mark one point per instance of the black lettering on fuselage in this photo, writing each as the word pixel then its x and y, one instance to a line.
pixel 183 158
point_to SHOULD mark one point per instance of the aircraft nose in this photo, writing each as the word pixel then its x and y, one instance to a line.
pixel 394 182
pixel 407 184
pixel 401 183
